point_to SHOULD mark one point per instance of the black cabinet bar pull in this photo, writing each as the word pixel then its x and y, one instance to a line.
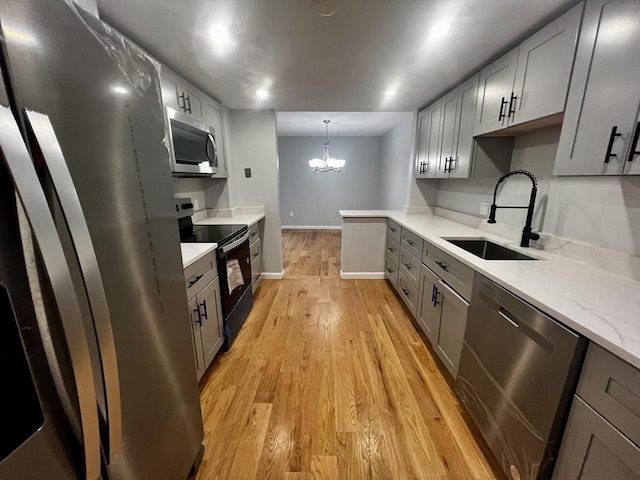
pixel 512 105
pixel 503 103
pixel 195 280
pixel 634 144
pixel 446 164
pixel 435 297
pixel 612 137
pixel 442 265
pixel 433 293
pixel 199 320
pixel 204 305
pixel 407 266
pixel 184 102
pixel 188 99
pixel 405 291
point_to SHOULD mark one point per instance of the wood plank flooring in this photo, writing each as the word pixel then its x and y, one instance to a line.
pixel 330 380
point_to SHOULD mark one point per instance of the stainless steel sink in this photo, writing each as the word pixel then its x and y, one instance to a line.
pixel 488 250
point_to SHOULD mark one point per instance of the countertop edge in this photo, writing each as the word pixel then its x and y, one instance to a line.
pixel 247 218
pixel 202 250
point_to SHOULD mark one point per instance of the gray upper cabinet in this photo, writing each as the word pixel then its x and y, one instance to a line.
pixel 213 115
pixel 170 84
pixel 600 130
pixel 530 82
pixel 429 141
pixel 460 164
pixel 496 88
pixel 448 143
pixel 544 69
pixel 180 95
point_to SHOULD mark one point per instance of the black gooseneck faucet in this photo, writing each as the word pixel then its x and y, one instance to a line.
pixel 527 234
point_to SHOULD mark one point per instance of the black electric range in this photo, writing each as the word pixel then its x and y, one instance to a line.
pixel 220 234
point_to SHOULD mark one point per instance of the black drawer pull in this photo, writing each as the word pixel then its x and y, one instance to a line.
pixel 256 254
pixel 390 249
pixel 394 230
pixel 389 270
pixel 194 281
pixel 411 242
pixel 407 266
pixel 253 234
pixel 612 137
pixel 443 266
pixel 405 291
pixel 634 144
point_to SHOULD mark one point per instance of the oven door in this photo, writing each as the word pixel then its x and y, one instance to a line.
pixel 195 151
pixel 234 264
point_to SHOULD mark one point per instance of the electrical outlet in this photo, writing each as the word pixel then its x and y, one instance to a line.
pixel 196 204
pixel 484 208
pixel 291 214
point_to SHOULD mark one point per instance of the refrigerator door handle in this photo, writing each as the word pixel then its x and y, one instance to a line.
pixel 70 203
pixel 13 152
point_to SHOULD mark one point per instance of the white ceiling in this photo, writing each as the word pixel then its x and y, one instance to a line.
pixel 343 124
pixel 344 62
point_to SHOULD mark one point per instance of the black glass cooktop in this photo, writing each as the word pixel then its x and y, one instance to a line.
pixel 219 234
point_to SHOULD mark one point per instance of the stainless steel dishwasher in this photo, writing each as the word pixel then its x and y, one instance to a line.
pixel 517 373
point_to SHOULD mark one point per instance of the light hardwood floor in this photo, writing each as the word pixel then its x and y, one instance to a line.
pixel 330 380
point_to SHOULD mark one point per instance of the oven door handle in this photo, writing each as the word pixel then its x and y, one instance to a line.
pixel 234 244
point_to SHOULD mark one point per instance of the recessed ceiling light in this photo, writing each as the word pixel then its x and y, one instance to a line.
pixel 220 36
pixel 439 30
pixel 262 93
pixel 120 90
pixel 389 93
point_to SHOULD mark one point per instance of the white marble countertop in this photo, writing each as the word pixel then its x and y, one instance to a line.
pixel 600 305
pixel 192 252
pixel 245 219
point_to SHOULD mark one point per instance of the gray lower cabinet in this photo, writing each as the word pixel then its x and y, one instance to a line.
pixel 601 124
pixel 602 437
pixel 592 449
pixel 205 310
pixel 256 256
pixel 206 325
pixel 442 314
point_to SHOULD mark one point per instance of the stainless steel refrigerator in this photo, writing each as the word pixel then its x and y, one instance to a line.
pixel 96 367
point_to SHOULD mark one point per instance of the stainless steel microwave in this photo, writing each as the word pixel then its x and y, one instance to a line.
pixel 194 151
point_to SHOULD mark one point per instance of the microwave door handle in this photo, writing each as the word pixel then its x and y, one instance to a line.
pixel 53 157
pixel 213 160
pixel 236 243
pixel 25 179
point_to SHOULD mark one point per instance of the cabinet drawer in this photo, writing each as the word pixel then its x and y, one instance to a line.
pixel 408 293
pixel 412 242
pixel 455 273
pixel 254 234
pixel 593 449
pixel 612 387
pixel 200 273
pixel 393 230
pixel 392 250
pixel 409 265
pixel 391 271
pixel 254 251
pixel 256 274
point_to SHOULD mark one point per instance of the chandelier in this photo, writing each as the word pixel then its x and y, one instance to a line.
pixel 326 164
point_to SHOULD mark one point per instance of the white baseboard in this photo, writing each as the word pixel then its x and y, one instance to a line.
pixel 310 227
pixel 273 275
pixel 362 275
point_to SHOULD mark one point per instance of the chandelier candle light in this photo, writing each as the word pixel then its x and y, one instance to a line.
pixel 326 164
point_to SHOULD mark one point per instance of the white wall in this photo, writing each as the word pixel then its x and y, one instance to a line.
pixel 601 211
pixel 190 188
pixel 315 197
pixel 396 161
pixel 252 144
